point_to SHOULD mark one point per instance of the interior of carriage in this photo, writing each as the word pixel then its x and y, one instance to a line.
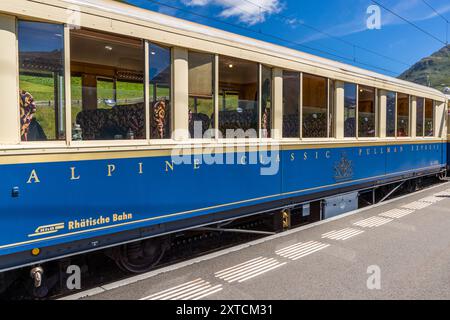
pixel 107 77
pixel 238 94
pixel 108 92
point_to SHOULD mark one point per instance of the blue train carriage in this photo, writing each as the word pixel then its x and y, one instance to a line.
pixel 120 124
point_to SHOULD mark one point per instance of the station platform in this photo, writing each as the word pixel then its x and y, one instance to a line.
pixel 396 250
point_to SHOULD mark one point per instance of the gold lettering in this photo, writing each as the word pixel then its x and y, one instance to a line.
pixel 74 177
pixel 111 169
pixel 169 165
pixel 33 177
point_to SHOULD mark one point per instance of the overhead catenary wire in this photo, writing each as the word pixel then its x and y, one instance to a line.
pixel 440 15
pixel 327 34
pixel 409 22
pixel 324 52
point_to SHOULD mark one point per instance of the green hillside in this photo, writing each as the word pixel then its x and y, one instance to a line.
pixel 433 70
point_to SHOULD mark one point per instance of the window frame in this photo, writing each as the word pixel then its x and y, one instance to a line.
pixel 225 140
pixel 149 139
pixel 215 97
pixel 68 130
pixel 356 113
pixel 146 94
pixel 300 102
pixel 409 136
pixel 260 93
pixel 394 137
pixel 434 104
pixel 423 117
pixel 327 88
pixel 376 111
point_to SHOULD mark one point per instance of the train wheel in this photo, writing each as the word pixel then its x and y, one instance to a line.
pixel 141 256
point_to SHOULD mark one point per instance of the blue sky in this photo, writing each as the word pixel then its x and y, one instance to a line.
pixel 345 36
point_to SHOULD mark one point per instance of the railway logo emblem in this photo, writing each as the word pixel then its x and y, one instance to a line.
pixel 343 169
pixel 48 229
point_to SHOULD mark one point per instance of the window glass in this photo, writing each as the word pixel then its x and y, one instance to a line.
pixel 201 93
pixel 291 104
pixel 238 96
pixel 106 91
pixel 349 110
pixel 160 91
pixel 420 112
pixel 402 115
pixel 108 94
pixel 429 118
pixel 366 112
pixel 266 102
pixel 315 107
pixel 331 107
pixel 391 106
pixel 41 81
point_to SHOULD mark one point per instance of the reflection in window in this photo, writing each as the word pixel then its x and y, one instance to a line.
pixel 291 104
pixel 106 93
pixel 41 81
pixel 238 95
pixel 402 115
pixel 429 118
pixel 108 74
pixel 315 107
pixel 266 102
pixel 201 93
pixel 366 112
pixel 160 91
pixel 420 113
pixel 349 110
pixel 391 103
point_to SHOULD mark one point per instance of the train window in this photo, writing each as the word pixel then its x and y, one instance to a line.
pixel 403 103
pixel 350 102
pixel 315 107
pixel 160 63
pixel 266 102
pixel 238 96
pixel 110 71
pixel 420 113
pixel 366 112
pixel 331 106
pixel 41 81
pixel 391 106
pixel 429 118
pixel 291 104
pixel 201 93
